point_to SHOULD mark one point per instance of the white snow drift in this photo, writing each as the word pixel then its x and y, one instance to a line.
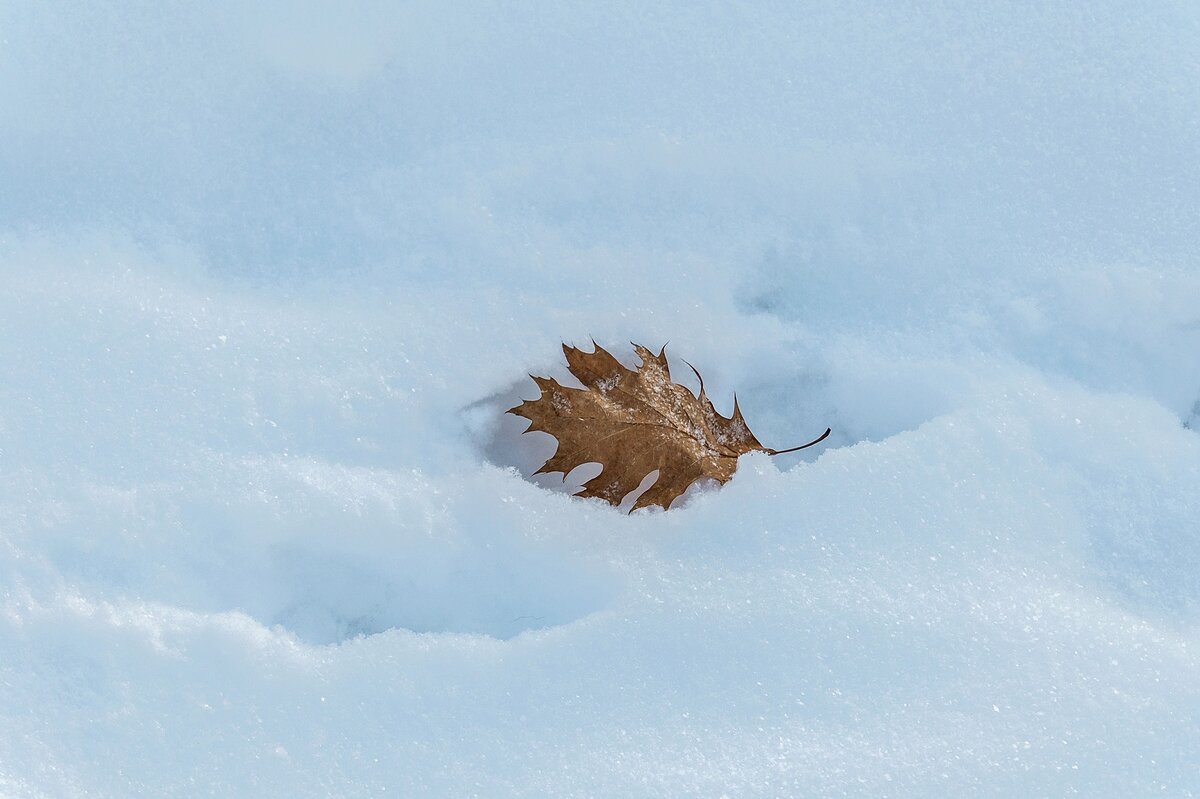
pixel 270 280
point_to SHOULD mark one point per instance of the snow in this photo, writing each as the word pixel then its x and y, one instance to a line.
pixel 272 276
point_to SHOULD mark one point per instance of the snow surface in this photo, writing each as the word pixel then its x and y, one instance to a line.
pixel 271 276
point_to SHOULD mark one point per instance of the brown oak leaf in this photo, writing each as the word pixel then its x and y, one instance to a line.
pixel 633 422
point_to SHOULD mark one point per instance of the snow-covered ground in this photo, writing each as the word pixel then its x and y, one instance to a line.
pixel 270 278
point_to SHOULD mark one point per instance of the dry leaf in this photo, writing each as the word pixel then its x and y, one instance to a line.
pixel 633 422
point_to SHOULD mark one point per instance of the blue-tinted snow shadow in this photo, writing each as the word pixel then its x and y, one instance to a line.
pixel 329 553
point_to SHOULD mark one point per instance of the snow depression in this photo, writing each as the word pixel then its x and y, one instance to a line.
pixel 271 274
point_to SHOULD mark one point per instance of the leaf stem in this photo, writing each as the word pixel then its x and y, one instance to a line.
pixel 816 440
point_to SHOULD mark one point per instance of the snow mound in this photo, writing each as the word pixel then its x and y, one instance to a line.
pixel 272 276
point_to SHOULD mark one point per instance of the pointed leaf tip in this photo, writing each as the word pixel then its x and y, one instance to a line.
pixel 696 372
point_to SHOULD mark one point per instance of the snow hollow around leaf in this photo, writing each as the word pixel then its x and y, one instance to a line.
pixel 271 274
